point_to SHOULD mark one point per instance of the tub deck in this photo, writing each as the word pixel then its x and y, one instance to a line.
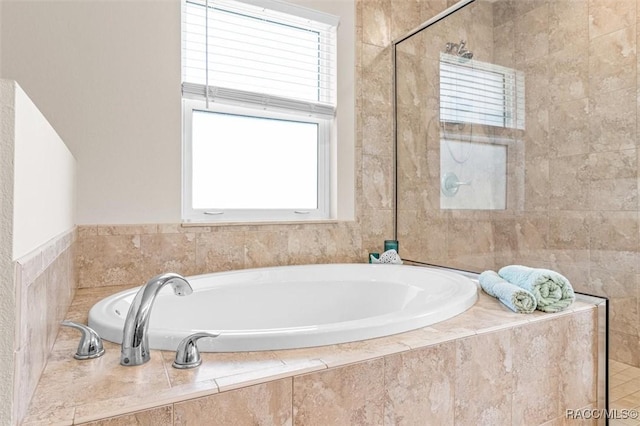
pixel 74 392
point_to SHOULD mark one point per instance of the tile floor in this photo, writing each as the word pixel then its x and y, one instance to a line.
pixel 624 391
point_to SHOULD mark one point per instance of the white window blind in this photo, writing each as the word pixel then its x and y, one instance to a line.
pixel 262 53
pixel 481 93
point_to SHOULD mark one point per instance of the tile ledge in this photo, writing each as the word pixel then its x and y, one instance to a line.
pixel 293 364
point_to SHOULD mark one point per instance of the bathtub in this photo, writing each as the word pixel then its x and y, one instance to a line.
pixel 294 306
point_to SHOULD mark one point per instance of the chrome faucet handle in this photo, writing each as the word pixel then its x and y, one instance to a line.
pixel 90 345
pixel 187 354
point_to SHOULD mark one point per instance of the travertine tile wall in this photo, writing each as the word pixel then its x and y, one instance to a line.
pixel 510 376
pixel 581 168
pixel 130 255
pixel 573 180
pixel 589 146
pixel 45 282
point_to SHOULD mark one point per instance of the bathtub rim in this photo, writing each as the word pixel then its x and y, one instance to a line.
pixel 304 336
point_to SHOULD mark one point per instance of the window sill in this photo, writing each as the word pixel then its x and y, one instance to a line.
pixel 270 223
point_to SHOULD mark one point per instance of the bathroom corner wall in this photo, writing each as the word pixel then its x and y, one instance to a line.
pixel 37 272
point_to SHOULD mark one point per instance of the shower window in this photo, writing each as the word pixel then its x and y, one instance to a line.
pixel 480 93
pixel 259 100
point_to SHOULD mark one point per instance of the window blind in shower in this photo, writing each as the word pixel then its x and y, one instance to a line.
pixel 260 53
pixel 480 93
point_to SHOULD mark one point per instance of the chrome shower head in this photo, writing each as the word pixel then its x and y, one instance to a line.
pixel 458 49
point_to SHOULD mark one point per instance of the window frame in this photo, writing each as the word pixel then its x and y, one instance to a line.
pixel 322 112
pixel 213 215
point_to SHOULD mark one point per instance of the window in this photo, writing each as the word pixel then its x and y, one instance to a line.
pixel 259 100
pixel 480 93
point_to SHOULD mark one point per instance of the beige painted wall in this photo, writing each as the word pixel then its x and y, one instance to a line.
pixel 107 76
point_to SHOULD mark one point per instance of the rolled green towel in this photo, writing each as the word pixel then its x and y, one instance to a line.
pixel 513 297
pixel 552 291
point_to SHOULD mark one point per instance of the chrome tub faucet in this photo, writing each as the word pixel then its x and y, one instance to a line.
pixel 135 341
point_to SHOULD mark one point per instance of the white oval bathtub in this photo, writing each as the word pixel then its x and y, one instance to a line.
pixel 294 306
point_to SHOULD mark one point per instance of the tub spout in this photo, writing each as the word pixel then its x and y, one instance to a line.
pixel 135 341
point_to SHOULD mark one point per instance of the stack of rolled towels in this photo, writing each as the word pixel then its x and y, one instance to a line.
pixel 523 289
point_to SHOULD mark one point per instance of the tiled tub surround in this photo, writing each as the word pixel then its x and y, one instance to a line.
pixel 485 366
pixel 45 285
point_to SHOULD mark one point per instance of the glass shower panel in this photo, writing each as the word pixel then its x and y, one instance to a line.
pixel 459 128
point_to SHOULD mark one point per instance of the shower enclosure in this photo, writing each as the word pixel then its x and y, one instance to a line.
pixel 516 143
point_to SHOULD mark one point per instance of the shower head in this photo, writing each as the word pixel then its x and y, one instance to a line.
pixel 458 49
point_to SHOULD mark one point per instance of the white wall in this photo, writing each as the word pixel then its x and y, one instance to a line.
pixel 106 74
pixel 44 180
